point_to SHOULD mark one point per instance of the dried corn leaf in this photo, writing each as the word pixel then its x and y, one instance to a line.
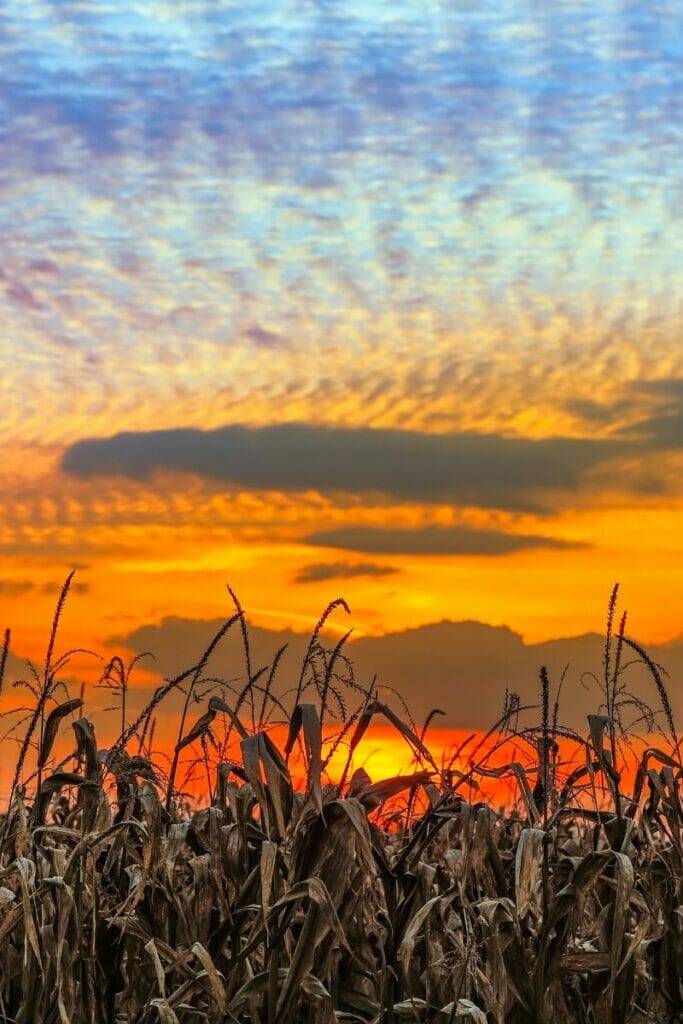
pixel 528 865
pixel 597 725
pixel 378 708
pixel 372 794
pixel 625 879
pixel 216 986
pixel 465 1009
pixel 407 944
pixel 199 729
pixel 87 748
pixel 267 872
pixel 52 727
pixel 218 704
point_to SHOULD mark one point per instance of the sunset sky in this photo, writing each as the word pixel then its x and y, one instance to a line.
pixel 381 300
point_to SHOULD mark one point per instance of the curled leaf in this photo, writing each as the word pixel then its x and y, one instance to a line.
pixel 52 727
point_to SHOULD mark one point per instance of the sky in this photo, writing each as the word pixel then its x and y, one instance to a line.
pixel 379 300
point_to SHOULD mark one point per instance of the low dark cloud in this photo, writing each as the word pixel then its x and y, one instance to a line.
pixel 659 406
pixel 15 588
pixel 668 387
pixel 431 540
pixel 486 470
pixel 661 430
pixel 664 430
pixel 653 411
pixel 461 667
pixel 598 413
pixel 322 571
pixel 53 587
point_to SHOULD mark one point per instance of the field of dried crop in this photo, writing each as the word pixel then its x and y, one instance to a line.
pixel 292 897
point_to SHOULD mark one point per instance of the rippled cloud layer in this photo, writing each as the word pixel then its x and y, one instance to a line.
pixel 437 203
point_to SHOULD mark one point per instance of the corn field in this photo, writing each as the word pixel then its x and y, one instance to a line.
pixel 292 897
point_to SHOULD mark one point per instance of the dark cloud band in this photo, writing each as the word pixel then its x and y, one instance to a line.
pixel 486 470
pixel 431 540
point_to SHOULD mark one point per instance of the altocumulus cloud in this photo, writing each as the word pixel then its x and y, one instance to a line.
pixel 487 470
pixel 431 540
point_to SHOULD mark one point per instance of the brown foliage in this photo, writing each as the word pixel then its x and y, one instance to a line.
pixel 277 904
